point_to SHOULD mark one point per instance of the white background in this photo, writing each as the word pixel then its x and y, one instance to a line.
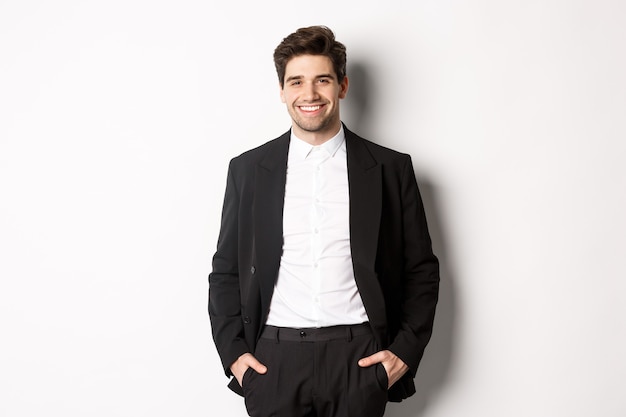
pixel 117 122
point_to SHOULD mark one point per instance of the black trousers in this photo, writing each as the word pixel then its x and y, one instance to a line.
pixel 314 372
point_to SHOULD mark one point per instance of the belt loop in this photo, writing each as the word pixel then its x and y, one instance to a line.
pixel 276 340
pixel 349 333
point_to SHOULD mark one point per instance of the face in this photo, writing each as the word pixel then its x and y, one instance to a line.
pixel 312 93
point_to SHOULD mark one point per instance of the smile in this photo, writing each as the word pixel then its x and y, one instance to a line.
pixel 310 108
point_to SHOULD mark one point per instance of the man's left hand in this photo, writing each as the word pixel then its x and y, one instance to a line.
pixel 394 366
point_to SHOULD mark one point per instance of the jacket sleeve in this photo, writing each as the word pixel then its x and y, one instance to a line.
pixel 224 293
pixel 420 286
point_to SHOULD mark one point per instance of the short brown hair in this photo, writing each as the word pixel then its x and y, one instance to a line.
pixel 312 40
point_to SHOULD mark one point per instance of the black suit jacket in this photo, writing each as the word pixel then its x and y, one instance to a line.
pixel 396 272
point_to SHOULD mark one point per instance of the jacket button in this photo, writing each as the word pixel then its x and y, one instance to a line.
pixel 246 320
pixel 252 270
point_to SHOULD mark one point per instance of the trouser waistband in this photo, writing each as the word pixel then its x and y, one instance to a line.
pixel 315 334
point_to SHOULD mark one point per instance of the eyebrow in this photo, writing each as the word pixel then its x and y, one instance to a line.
pixel 299 77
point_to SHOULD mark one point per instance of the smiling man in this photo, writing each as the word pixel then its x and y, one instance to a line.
pixel 312 92
pixel 324 284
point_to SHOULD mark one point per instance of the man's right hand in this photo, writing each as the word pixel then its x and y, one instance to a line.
pixel 241 365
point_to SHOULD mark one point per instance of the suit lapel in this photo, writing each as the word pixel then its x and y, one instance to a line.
pixel 271 174
pixel 365 179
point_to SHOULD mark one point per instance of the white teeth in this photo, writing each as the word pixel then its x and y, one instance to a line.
pixel 310 108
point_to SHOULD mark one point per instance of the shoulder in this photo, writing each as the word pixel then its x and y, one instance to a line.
pixel 272 149
pixel 379 153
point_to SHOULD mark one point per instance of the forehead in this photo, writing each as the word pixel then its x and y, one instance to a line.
pixel 309 66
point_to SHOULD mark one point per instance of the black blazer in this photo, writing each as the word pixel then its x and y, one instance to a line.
pixel 396 272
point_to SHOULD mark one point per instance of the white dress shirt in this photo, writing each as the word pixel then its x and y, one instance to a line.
pixel 315 285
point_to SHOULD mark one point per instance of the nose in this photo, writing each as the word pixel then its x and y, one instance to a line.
pixel 310 91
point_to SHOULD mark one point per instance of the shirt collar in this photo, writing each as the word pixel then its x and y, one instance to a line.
pixel 300 149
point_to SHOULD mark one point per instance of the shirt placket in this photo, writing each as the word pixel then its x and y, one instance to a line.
pixel 317 217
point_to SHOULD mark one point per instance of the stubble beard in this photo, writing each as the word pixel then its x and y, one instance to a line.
pixel 312 126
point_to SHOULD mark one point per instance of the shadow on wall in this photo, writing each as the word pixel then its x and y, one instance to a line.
pixel 357 103
pixel 437 360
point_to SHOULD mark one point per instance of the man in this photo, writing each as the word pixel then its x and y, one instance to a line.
pixel 324 285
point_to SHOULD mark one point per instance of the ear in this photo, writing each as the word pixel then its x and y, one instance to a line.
pixel 282 92
pixel 343 87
